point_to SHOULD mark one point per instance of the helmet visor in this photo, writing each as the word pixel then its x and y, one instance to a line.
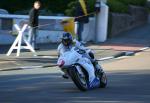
pixel 66 42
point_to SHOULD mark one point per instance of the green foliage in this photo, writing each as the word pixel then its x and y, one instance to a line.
pixel 71 7
pixel 117 6
pixel 91 4
pixel 134 2
pixel 55 6
pixel 67 6
pixel 121 6
pixel 15 5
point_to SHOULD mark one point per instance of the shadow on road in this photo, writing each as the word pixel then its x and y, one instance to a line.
pixel 129 87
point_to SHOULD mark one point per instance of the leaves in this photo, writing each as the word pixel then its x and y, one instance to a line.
pixel 121 6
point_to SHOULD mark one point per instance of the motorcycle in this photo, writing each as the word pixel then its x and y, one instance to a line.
pixel 76 66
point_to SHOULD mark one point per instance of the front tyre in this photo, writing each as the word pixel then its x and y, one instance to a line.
pixel 80 81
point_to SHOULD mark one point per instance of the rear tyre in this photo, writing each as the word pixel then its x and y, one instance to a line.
pixel 80 81
pixel 103 80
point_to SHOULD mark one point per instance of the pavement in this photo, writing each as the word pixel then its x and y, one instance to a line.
pixel 45 56
pixel 138 62
pixel 131 40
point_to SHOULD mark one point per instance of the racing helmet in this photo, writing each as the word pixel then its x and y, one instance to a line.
pixel 67 39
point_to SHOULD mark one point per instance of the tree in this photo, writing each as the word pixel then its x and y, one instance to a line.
pixel 71 7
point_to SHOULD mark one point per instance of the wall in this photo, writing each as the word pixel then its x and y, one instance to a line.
pixel 48 33
pixel 122 22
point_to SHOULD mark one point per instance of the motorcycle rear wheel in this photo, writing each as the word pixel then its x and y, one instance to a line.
pixel 103 80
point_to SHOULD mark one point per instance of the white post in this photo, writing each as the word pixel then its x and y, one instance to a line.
pixel 102 23
pixel 18 41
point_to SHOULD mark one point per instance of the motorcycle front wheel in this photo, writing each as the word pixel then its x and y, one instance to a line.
pixel 81 81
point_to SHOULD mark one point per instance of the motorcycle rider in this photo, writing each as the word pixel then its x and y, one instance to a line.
pixel 67 43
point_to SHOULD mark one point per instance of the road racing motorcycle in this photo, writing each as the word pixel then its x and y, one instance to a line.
pixel 79 68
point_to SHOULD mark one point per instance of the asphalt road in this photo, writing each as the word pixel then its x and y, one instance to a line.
pixel 47 86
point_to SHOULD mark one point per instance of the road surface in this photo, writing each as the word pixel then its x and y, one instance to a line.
pixel 129 82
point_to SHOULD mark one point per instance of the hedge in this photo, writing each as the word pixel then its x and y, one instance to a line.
pixel 56 6
pixel 134 2
pixel 71 7
pixel 117 6
pixel 121 6
pixel 67 6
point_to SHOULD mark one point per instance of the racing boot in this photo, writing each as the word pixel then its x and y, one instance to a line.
pixel 65 76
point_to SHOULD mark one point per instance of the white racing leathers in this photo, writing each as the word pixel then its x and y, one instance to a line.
pixel 85 62
pixel 61 48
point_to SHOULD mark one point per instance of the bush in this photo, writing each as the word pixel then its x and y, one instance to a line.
pixel 121 6
pixel 91 4
pixel 66 6
pixel 117 6
pixel 71 7
pixel 55 6
pixel 134 2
